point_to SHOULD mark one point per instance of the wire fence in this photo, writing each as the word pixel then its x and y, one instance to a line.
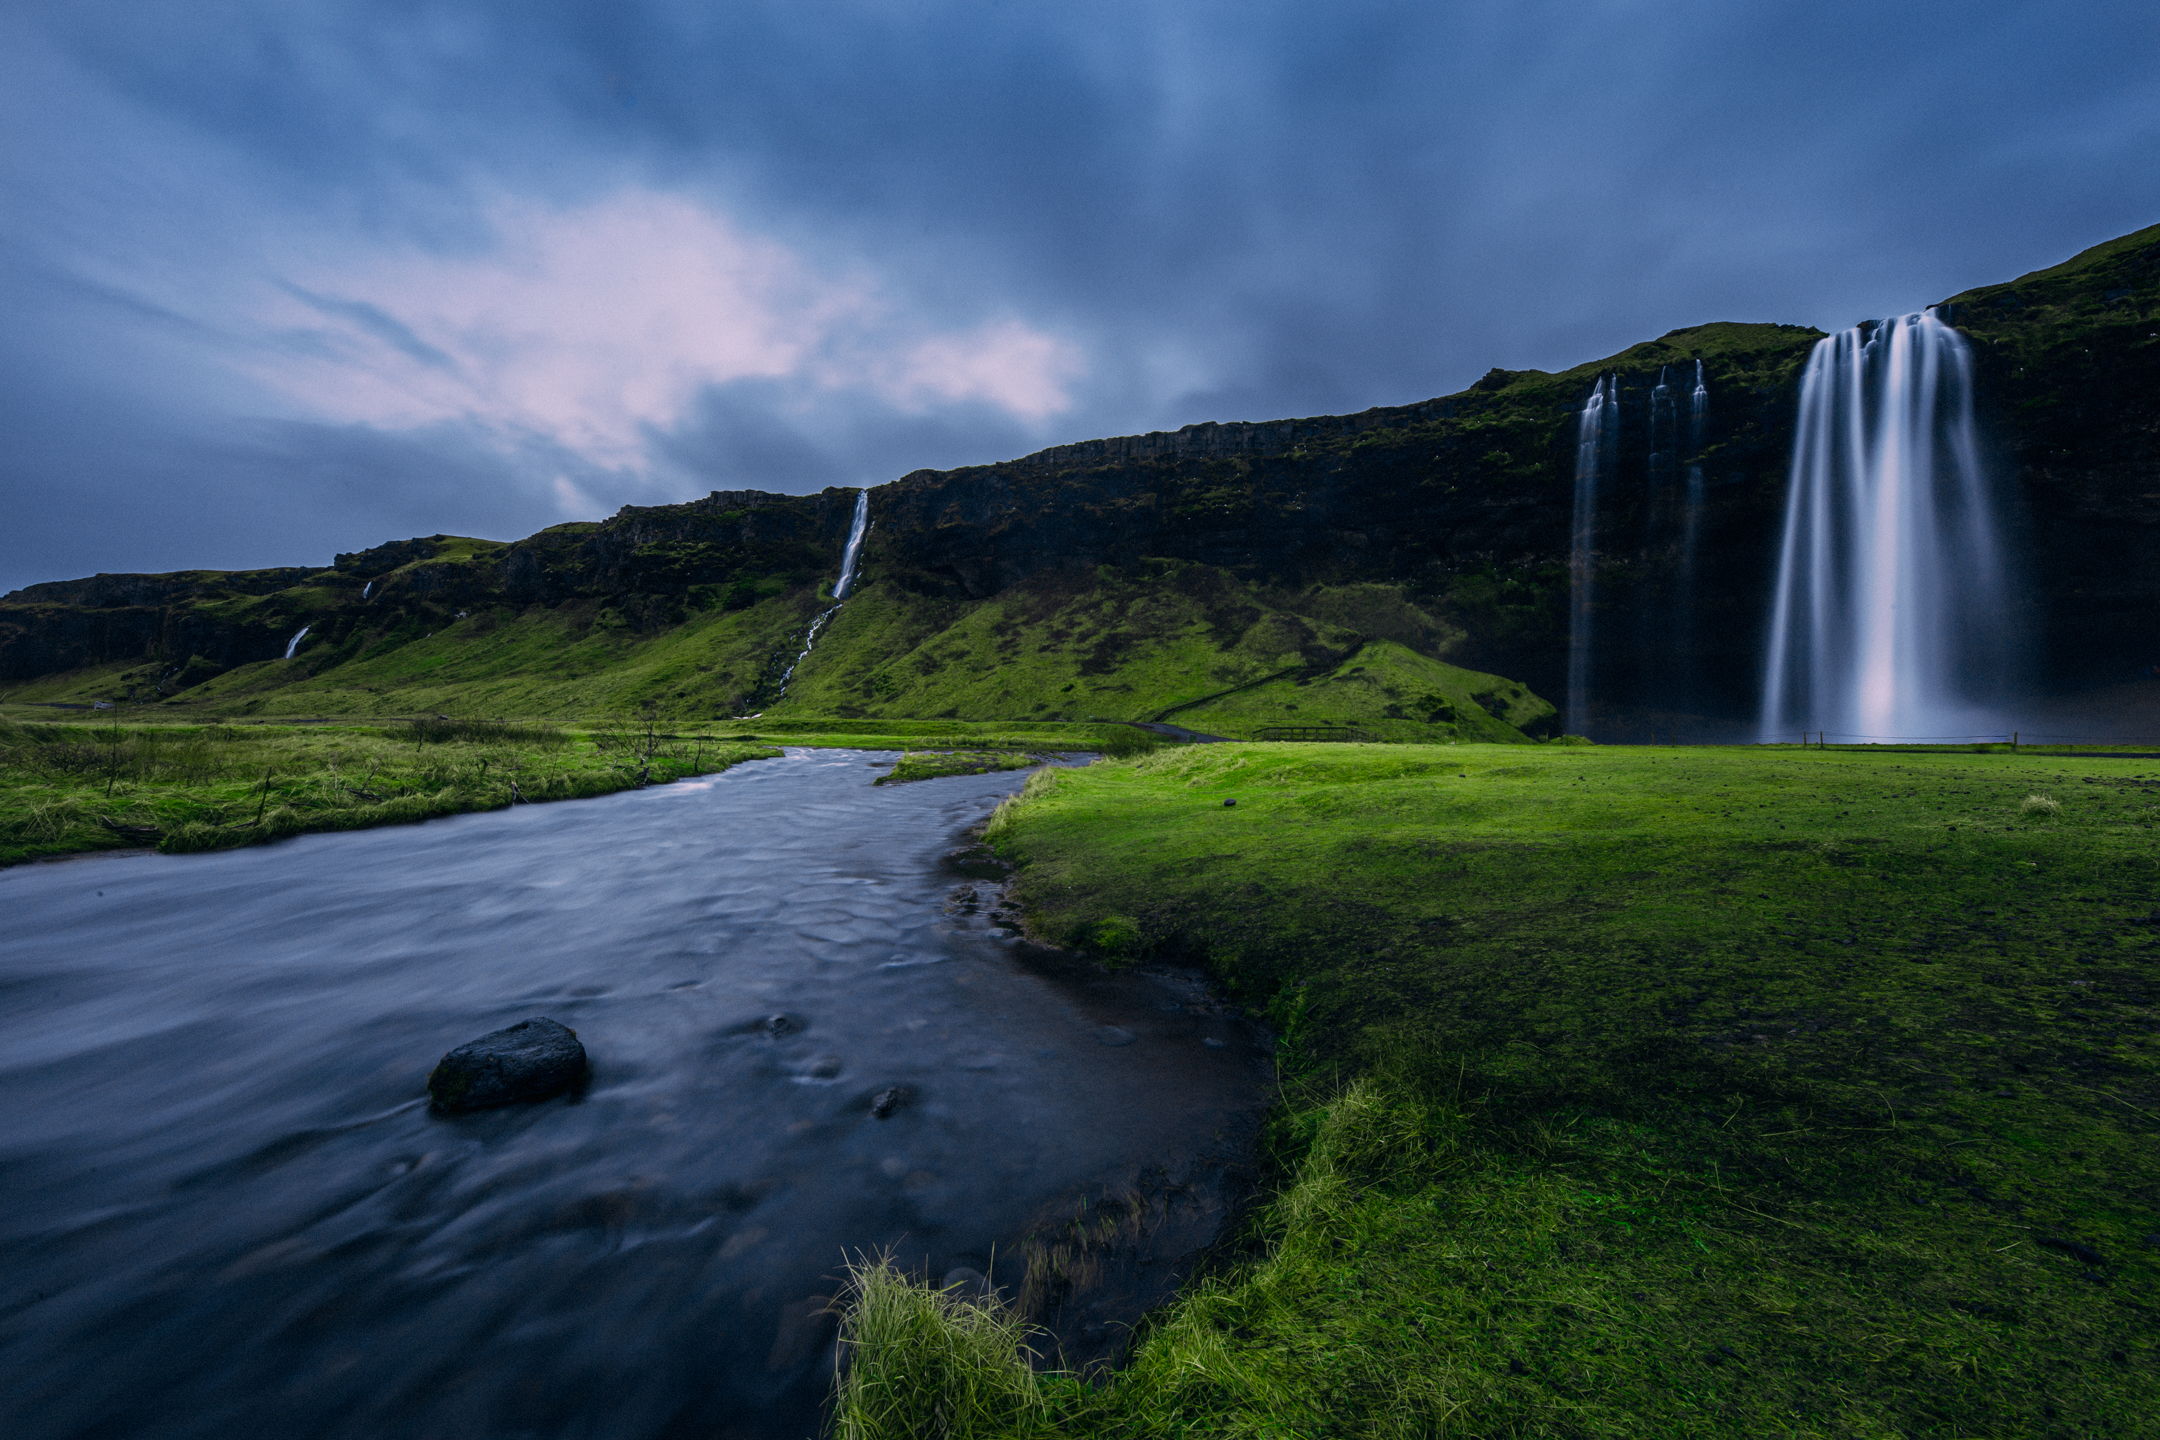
pixel 2016 740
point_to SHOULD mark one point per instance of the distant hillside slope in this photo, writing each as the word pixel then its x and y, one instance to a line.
pixel 1123 577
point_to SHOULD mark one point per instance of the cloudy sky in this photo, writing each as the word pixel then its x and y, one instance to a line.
pixel 284 278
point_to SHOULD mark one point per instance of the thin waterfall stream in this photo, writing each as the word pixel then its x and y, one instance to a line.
pixel 842 588
pixel 1597 442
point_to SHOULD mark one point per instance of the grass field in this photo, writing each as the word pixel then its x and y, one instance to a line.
pixel 72 789
pixel 1638 1092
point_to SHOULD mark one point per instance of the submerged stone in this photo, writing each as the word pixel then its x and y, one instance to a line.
pixel 530 1060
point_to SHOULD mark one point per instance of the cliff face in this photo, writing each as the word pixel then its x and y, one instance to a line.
pixel 1464 501
pixel 2068 390
pixel 1467 501
pixel 1462 505
pixel 643 568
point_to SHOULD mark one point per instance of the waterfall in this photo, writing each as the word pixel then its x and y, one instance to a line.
pixel 856 530
pixel 1687 671
pixel 1889 594
pixel 294 643
pixel 1664 448
pixel 842 588
pixel 1691 524
pixel 367 590
pixel 1597 435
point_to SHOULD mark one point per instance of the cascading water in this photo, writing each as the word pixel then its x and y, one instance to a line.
pixel 1687 673
pixel 1691 525
pixel 367 590
pixel 1664 453
pixel 1890 590
pixel 1597 436
pixel 294 643
pixel 842 588
pixel 857 529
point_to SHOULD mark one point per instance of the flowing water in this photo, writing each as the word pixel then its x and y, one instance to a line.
pixel 858 528
pixel 1597 439
pixel 294 643
pixel 228 1210
pixel 1888 620
pixel 1687 672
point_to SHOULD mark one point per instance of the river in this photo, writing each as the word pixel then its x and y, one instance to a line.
pixel 225 1208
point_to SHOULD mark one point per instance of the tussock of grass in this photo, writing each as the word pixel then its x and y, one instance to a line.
pixel 924 1364
pixel 938 764
pixel 2039 805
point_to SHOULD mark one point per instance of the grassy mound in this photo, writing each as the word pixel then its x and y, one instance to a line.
pixel 938 764
pixel 1651 1092
pixel 1183 643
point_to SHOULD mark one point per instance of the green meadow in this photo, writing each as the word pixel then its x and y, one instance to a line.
pixel 72 789
pixel 1643 1092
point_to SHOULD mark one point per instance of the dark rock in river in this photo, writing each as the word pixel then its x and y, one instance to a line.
pixel 531 1060
pixel 888 1100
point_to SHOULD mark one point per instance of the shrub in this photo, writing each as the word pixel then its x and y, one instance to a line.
pixel 1122 742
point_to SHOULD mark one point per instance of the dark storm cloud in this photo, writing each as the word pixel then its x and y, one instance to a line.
pixel 280 250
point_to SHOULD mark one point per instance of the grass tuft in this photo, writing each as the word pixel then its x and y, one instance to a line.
pixel 919 1363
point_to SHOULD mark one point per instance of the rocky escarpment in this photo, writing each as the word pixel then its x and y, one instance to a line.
pixel 2067 375
pixel 1463 503
pixel 647 566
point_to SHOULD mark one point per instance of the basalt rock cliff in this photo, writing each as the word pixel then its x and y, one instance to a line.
pixel 1460 505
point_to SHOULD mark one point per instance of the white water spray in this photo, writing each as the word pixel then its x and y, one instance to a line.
pixel 294 643
pixel 1597 436
pixel 1889 597
pixel 842 587
pixel 367 590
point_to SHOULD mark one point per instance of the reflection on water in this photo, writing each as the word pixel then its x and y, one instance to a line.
pixel 227 1210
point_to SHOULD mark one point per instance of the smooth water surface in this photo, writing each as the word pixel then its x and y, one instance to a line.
pixel 225 1209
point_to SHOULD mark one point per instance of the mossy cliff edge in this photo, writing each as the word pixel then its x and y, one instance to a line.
pixel 1127 577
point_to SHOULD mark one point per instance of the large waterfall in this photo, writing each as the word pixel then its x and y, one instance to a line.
pixel 1597 439
pixel 1889 598
pixel 842 587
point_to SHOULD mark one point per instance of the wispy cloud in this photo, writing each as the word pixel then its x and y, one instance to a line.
pixel 600 324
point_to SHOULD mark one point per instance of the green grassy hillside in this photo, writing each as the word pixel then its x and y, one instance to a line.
pixel 1177 642
pixel 1170 640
